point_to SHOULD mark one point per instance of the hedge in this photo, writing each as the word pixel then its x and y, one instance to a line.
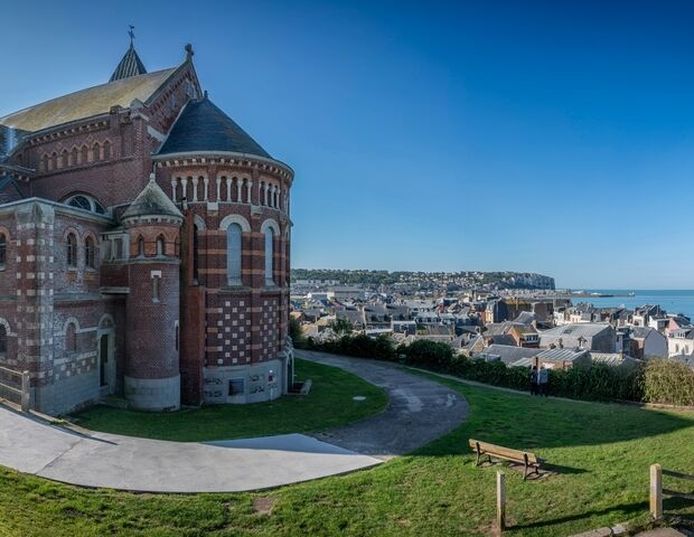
pixel 657 381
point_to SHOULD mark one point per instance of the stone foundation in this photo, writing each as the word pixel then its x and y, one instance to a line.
pixel 153 394
pixel 251 383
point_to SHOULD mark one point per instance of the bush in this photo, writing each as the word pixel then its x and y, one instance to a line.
pixel 296 333
pixel 658 381
pixel 428 354
pixel 667 381
pixel 359 345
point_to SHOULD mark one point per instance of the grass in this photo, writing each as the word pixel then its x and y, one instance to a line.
pixel 329 404
pixel 603 452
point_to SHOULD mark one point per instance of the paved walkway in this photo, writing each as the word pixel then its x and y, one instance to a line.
pixel 139 464
pixel 420 410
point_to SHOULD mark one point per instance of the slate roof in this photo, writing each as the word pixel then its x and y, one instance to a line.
pixel 88 102
pixel 614 359
pixel 576 329
pixel 508 353
pixel 642 332
pixel 152 201
pixel 130 65
pixel 525 317
pixel 203 127
pixel 562 355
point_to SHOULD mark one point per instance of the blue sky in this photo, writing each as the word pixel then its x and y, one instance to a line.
pixel 555 137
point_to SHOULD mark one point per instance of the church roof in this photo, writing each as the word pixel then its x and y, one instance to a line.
pixel 203 127
pixel 130 65
pixel 152 201
pixel 87 102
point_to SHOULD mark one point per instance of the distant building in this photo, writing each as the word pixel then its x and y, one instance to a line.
pixel 648 343
pixel 345 293
pixel 590 336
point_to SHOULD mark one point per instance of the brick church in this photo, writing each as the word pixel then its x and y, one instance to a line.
pixel 144 248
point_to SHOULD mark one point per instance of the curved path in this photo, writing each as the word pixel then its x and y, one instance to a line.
pixel 419 411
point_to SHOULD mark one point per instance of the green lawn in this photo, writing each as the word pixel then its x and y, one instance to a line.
pixel 603 452
pixel 329 404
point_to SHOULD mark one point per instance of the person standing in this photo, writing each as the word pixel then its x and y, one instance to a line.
pixel 542 381
pixel 533 381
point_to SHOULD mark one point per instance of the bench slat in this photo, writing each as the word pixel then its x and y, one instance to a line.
pixel 504 452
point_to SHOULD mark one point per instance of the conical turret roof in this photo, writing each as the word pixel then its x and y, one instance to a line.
pixel 152 201
pixel 203 127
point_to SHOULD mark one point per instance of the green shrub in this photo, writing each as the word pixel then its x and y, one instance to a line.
pixel 669 382
pixel 429 354
pixel 296 333
pixel 359 345
pixel 659 381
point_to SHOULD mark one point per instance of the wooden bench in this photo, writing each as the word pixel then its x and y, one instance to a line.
pixel 530 461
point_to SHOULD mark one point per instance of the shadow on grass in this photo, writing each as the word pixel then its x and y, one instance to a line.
pixel 627 510
pixel 546 470
pixel 521 421
pixel 518 421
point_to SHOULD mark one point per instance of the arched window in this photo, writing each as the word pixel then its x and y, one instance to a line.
pixel 140 246
pixel 107 150
pixel 84 155
pixel 71 338
pixel 71 245
pixel 44 163
pixel 3 250
pixel 54 161
pixel 269 255
pixel 90 252
pixel 88 203
pixel 64 159
pixel 81 202
pixel 161 246
pixel 3 339
pixel 73 157
pixel 96 152
pixel 234 254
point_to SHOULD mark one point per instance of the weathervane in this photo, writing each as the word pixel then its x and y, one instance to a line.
pixel 131 33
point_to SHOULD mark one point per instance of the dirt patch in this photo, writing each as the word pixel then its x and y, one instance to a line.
pixel 263 505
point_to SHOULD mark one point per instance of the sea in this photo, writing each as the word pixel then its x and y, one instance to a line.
pixel 673 301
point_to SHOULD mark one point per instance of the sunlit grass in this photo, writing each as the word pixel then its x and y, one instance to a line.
pixel 602 451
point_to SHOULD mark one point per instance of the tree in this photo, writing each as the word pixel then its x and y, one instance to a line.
pixel 341 327
pixel 295 332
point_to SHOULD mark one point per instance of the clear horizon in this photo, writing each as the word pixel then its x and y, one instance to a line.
pixel 556 139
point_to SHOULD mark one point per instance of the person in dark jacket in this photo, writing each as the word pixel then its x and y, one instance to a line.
pixel 542 381
pixel 533 381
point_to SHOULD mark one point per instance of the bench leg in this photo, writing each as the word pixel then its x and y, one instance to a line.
pixel 525 470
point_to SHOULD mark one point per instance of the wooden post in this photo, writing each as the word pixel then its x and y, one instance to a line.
pixel 500 501
pixel 26 394
pixel 656 491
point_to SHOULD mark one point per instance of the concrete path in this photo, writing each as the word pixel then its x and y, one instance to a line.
pixel 420 410
pixel 138 464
